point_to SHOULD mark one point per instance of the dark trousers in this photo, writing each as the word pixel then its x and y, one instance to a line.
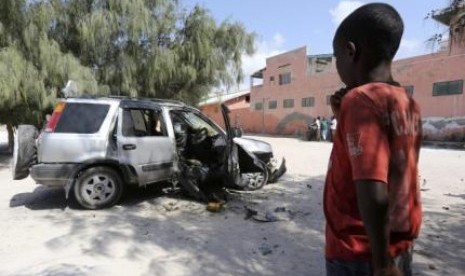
pixel 347 268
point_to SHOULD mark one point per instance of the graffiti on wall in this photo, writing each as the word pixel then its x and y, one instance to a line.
pixel 284 125
pixel 444 129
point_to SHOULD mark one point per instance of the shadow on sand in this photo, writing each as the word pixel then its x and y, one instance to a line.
pixel 44 198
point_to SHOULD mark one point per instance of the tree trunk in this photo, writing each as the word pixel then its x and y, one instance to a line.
pixel 11 137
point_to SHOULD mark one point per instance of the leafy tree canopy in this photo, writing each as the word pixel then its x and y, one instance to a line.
pixel 146 48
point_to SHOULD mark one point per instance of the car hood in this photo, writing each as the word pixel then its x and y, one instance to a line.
pixel 253 145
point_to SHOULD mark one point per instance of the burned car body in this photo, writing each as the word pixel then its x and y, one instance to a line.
pixel 95 147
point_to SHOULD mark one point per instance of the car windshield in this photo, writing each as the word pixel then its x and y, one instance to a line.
pixel 193 121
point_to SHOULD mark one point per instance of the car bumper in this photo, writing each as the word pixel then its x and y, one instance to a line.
pixel 52 174
pixel 278 172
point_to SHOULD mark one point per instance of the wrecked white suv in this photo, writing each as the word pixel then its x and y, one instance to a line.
pixel 95 147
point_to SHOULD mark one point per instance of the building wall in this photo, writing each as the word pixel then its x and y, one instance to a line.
pixel 420 72
pixel 241 115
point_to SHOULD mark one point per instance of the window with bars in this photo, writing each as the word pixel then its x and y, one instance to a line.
pixel 272 104
pixel 448 88
pixel 284 78
pixel 328 99
pixel 288 103
pixel 258 106
pixel 308 102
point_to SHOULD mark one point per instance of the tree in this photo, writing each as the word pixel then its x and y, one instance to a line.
pixel 33 68
pixel 151 48
pixel 453 16
pixel 145 48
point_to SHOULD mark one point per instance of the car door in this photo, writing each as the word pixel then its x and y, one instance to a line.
pixel 231 152
pixel 143 141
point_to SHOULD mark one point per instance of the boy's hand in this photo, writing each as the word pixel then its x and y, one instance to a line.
pixel 336 100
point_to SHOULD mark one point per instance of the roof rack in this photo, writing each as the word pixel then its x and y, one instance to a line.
pixel 128 98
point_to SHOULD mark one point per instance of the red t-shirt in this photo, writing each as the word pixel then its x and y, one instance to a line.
pixel 378 137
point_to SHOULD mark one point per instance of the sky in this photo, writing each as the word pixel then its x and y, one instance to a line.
pixel 281 26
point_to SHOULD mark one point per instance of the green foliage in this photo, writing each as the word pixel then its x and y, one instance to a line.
pixel 33 67
pixel 152 48
pixel 146 48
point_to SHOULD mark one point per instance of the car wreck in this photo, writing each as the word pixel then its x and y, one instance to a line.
pixel 96 147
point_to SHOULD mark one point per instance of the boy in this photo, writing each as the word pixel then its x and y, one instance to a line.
pixel 371 198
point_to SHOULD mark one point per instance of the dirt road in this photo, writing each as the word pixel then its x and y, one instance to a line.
pixel 152 233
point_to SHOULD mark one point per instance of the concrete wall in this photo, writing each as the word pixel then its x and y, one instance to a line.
pixel 420 72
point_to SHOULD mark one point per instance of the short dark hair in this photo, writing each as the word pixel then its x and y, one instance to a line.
pixel 377 27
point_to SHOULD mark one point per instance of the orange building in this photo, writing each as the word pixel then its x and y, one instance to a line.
pixel 239 107
pixel 295 88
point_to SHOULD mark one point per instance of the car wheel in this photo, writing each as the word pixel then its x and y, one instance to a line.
pixel 98 187
pixel 24 151
pixel 254 181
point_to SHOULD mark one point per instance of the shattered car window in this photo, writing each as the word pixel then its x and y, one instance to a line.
pixel 193 121
pixel 143 122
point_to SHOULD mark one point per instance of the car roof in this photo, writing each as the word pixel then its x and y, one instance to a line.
pixel 118 99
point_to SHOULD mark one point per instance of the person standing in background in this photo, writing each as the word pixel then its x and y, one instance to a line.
pixel 318 128
pixel 324 129
pixel 333 127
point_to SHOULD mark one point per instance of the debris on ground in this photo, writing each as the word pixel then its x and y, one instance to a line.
pixel 265 250
pixel 215 206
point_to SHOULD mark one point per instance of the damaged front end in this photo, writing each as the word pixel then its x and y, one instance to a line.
pixel 210 160
pixel 257 162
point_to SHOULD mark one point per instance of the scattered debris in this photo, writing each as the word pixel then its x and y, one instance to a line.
pixel 171 206
pixel 249 213
pixel 215 206
pixel 266 217
pixel 265 250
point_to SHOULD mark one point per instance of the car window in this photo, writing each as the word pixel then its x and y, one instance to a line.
pixel 143 122
pixel 192 120
pixel 82 118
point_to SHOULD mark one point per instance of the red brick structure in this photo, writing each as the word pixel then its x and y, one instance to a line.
pixel 238 104
pixel 294 91
pixel 295 88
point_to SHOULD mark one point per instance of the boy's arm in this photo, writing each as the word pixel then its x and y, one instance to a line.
pixel 373 204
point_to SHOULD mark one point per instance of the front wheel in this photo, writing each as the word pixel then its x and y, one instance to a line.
pixel 254 180
pixel 98 187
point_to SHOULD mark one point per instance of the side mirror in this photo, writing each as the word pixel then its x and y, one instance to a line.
pixel 237 132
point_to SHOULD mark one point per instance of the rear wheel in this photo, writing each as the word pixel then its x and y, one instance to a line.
pixel 24 151
pixel 98 187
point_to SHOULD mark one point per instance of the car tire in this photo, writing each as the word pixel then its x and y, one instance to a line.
pixel 98 188
pixel 24 151
pixel 255 181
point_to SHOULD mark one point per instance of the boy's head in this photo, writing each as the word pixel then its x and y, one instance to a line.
pixel 367 39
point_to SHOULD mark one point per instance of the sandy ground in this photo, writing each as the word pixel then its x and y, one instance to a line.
pixel 153 233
